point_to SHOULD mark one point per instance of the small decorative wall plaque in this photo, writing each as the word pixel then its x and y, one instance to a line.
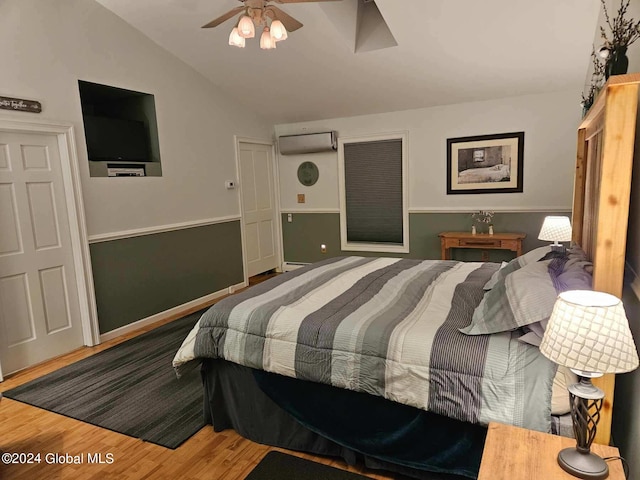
pixel 308 173
pixel 20 105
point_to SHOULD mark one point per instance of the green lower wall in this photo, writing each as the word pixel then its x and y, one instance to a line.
pixel 140 276
pixel 303 236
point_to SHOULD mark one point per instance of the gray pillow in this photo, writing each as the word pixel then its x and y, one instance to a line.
pixel 523 297
pixel 516 264
pixel 574 275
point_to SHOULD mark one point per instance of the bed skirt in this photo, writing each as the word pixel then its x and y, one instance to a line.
pixel 304 416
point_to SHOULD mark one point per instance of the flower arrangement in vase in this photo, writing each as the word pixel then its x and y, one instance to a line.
pixel 623 33
pixel 613 52
pixel 480 217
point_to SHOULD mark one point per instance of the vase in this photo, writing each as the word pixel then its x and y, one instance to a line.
pixel 473 229
pixel 490 229
pixel 617 63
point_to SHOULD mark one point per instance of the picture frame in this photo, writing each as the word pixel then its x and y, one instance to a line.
pixel 485 164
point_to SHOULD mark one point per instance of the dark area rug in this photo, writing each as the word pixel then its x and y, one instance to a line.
pixel 130 388
pixel 280 466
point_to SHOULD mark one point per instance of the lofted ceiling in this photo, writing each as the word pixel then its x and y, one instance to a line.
pixel 448 51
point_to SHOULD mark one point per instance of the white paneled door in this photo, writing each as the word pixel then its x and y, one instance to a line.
pixel 39 306
pixel 258 207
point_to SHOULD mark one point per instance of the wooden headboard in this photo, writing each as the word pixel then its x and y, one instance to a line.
pixel 602 187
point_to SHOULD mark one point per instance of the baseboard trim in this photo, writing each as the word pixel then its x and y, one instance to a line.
pixel 176 312
pixel 290 266
pixel 237 286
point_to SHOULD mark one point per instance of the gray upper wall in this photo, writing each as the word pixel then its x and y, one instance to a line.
pixel 549 122
pixel 53 44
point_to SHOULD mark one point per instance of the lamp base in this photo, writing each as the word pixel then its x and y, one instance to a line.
pixel 558 248
pixel 583 465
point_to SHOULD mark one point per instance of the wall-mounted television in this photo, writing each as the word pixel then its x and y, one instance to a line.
pixel 113 139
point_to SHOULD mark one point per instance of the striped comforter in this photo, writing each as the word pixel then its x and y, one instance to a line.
pixel 387 327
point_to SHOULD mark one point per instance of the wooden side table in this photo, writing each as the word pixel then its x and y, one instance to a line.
pixel 513 453
pixel 482 241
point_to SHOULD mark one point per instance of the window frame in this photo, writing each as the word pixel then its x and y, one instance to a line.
pixel 345 245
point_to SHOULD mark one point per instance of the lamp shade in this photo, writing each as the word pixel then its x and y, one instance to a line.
pixel 246 29
pixel 266 41
pixel 278 32
pixel 235 39
pixel 588 331
pixel 555 229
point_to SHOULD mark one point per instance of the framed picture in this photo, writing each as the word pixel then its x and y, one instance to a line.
pixel 485 163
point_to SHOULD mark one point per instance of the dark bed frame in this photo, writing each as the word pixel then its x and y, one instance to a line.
pixel 323 420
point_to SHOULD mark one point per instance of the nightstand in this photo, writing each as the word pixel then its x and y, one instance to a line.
pixel 513 453
pixel 482 241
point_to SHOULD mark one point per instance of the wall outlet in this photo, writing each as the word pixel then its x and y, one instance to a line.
pixel 289 217
pixel 323 248
pixel 230 184
pixel 301 198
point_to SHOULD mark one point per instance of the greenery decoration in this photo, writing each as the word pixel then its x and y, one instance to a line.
pixel 596 83
pixel 623 32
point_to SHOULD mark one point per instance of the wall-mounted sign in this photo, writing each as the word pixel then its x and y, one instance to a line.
pixel 20 105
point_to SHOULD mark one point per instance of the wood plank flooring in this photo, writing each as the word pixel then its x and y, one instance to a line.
pixel 207 455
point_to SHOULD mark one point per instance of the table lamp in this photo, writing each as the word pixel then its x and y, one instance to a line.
pixel 556 229
pixel 589 333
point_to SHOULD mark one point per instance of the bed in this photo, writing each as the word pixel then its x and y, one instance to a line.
pixel 497 173
pixel 400 362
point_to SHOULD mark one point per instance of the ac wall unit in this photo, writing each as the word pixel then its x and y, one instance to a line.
pixel 307 143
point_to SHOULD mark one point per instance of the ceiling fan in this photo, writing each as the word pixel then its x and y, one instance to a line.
pixel 275 22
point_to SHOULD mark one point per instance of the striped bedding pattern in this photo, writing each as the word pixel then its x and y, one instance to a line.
pixel 383 326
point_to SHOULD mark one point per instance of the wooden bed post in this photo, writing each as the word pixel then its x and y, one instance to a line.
pixel 602 189
pixel 577 212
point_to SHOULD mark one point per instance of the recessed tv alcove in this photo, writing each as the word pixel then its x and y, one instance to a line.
pixel 120 131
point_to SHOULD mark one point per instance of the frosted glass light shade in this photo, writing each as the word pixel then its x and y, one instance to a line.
pixel 235 39
pixel 278 32
pixel 589 331
pixel 266 41
pixel 555 229
pixel 246 29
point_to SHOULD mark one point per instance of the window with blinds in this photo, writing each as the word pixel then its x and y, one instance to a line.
pixel 373 194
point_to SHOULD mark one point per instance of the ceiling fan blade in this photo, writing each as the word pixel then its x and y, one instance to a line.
pixel 223 18
pixel 290 23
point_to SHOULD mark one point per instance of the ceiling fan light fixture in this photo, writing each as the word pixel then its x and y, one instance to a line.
pixel 266 40
pixel 278 32
pixel 235 39
pixel 246 29
pixel 260 17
